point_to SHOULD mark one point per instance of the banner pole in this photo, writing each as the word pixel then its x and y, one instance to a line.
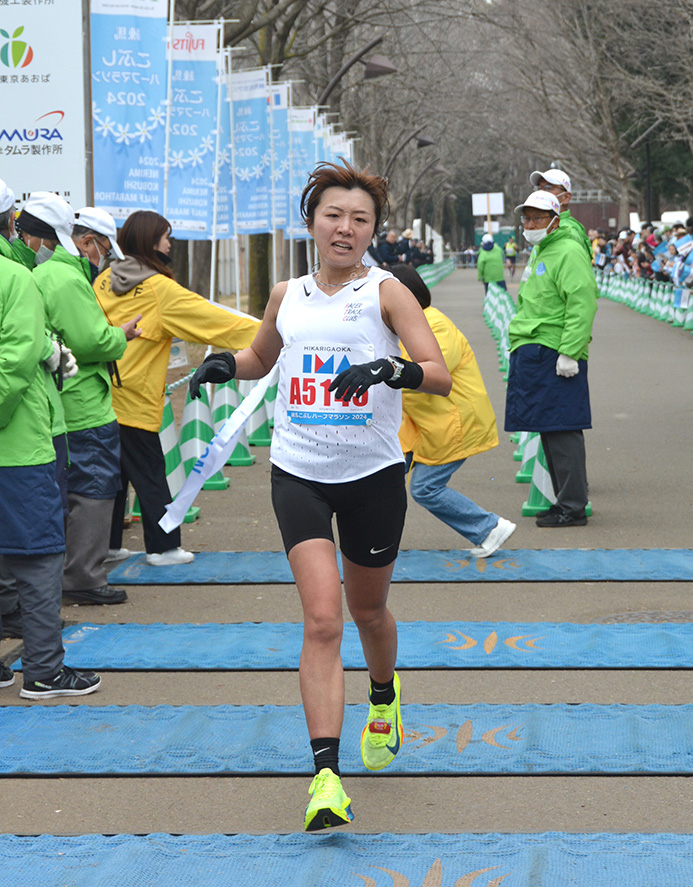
pixel 215 204
pixel 272 178
pixel 169 93
pixel 291 182
pixel 236 244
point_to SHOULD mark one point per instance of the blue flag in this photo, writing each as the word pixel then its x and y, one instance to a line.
pixel 250 95
pixel 128 73
pixel 195 85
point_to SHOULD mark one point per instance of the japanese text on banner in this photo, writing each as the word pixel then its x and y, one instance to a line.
pixel 250 97
pixel 193 130
pixel 128 72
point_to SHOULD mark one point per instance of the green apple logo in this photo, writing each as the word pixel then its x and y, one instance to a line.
pixel 21 52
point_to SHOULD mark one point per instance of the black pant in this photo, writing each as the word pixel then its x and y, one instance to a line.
pixel 143 465
pixel 565 459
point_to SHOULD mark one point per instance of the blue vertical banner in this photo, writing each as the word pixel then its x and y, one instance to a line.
pixel 128 82
pixel 281 101
pixel 193 142
pixel 302 133
pixel 320 135
pixel 250 98
pixel 225 178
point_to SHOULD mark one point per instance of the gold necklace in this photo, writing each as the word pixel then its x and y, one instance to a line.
pixel 351 279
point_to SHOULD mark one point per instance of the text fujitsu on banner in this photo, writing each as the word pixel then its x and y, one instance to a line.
pixel 195 84
pixel 128 71
pixel 302 134
pixel 280 154
pixel 42 98
pixel 250 98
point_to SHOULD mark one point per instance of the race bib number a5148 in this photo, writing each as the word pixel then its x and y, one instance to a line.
pixel 310 370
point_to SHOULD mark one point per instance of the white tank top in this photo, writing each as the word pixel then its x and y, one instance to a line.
pixel 315 436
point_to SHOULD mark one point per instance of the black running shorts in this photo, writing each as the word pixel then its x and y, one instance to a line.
pixel 370 513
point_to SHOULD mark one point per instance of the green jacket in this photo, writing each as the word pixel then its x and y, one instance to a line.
pixel 489 264
pixel 17 251
pixel 8 251
pixel 577 232
pixel 25 431
pixel 73 312
pixel 557 300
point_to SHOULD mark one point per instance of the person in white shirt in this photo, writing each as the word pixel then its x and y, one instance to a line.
pixel 335 451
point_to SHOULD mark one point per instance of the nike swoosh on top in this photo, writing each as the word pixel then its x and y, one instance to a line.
pixel 305 291
pixel 380 550
pixel 357 288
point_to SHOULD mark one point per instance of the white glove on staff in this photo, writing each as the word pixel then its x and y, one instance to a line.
pixel 62 357
pixel 53 362
pixel 566 366
pixel 69 364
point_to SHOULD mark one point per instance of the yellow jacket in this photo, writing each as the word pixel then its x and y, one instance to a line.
pixel 445 429
pixel 167 310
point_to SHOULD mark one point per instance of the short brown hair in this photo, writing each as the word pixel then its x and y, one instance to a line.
pixel 344 175
pixel 142 230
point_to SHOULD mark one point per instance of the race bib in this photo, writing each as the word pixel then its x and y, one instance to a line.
pixel 309 370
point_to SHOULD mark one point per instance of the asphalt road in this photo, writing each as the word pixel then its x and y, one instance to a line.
pixel 640 485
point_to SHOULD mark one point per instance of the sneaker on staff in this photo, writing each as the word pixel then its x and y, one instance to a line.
pixel 6 675
pixel 170 558
pixel 498 535
pixel 383 734
pixel 329 806
pixel 117 554
pixel 67 682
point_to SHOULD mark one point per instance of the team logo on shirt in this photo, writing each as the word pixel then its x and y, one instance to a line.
pixel 352 311
pixel 314 363
pixel 541 269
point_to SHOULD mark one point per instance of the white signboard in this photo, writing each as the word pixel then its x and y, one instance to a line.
pixel 495 227
pixel 491 204
pixel 42 131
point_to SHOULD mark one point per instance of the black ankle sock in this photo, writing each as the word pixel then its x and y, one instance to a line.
pixel 326 754
pixel 383 694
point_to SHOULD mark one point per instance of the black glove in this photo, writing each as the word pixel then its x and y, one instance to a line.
pixel 358 378
pixel 214 368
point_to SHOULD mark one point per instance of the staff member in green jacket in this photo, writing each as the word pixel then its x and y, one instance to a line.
pixel 64 280
pixel 489 263
pixel 556 182
pixel 54 356
pixel 549 337
pixel 32 537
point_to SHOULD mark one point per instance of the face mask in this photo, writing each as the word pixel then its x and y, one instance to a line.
pixel 43 254
pixel 536 236
pixel 102 258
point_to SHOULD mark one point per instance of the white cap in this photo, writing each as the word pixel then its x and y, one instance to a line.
pixel 57 213
pixel 487 238
pixel 552 176
pixel 541 200
pixel 99 220
pixel 7 200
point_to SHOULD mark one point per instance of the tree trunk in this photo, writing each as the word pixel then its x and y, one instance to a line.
pixel 623 204
pixel 258 272
pixel 201 268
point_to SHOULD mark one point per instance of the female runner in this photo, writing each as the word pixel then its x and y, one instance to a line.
pixel 335 451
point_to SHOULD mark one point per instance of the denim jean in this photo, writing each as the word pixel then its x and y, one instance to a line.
pixel 429 488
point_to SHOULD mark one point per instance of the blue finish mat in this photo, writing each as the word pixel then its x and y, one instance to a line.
pixel 439 739
pixel 277 646
pixel 342 859
pixel 547 565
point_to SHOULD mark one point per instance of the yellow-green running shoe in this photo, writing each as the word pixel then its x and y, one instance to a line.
pixel 383 734
pixel 329 805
